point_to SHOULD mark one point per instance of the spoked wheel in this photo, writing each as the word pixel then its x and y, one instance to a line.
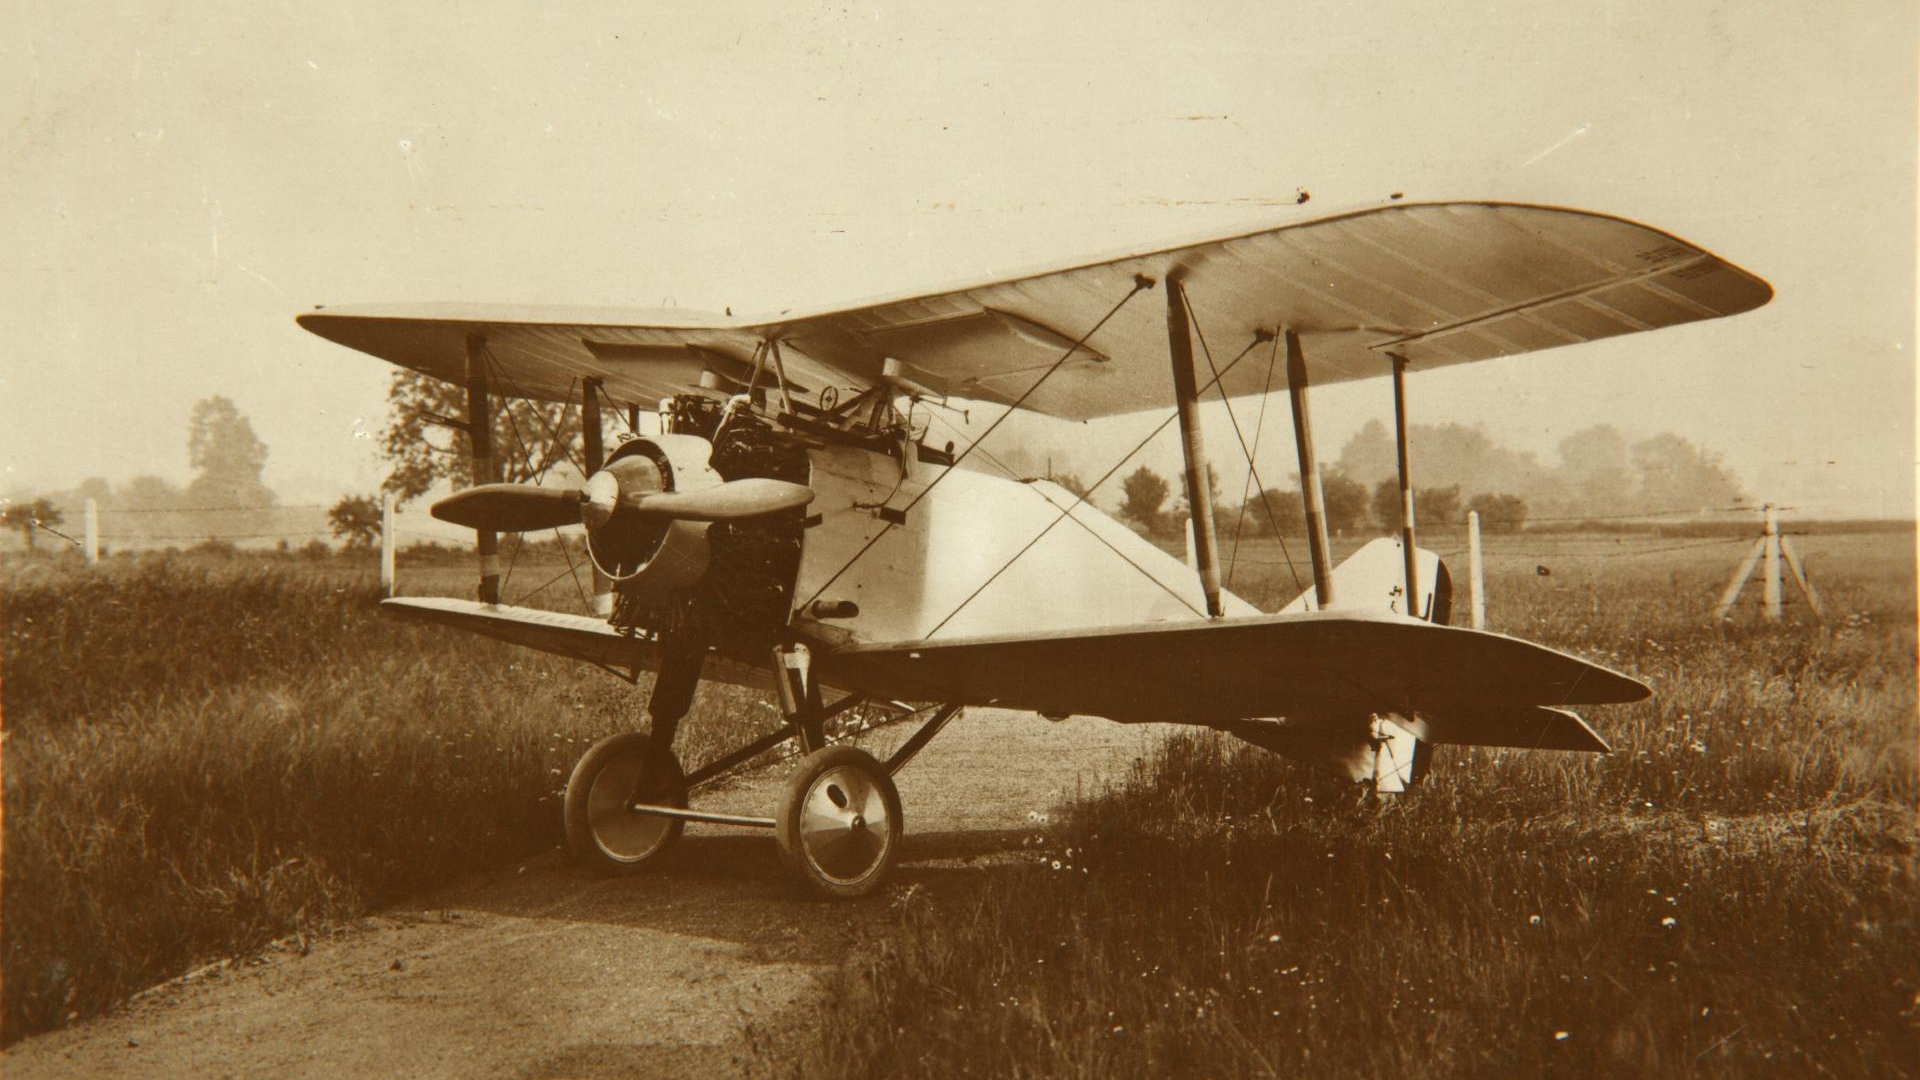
pixel 603 831
pixel 839 823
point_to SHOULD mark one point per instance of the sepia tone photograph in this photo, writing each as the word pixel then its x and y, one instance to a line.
pixel 959 540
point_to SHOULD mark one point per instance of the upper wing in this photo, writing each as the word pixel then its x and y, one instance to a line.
pixel 1219 672
pixel 1439 284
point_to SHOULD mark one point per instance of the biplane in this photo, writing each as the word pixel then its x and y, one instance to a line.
pixel 790 523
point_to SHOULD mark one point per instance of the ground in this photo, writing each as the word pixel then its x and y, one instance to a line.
pixel 545 971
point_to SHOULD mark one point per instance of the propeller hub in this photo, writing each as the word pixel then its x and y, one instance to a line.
pixel 598 498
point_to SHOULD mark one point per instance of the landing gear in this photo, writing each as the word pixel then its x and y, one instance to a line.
pixel 839 822
pixel 604 831
pixel 838 825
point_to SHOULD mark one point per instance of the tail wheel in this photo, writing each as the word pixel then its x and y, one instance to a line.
pixel 604 832
pixel 839 824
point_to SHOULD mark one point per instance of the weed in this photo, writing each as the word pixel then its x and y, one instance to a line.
pixel 205 755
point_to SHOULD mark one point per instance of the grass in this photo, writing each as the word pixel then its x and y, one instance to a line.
pixel 1730 894
pixel 203 755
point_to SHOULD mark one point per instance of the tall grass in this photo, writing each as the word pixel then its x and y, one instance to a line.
pixel 1730 894
pixel 203 756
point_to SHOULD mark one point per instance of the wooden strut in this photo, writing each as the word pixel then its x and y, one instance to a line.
pixel 1310 491
pixel 1186 395
pixel 593 446
pixel 1406 485
pixel 486 470
pixel 1773 549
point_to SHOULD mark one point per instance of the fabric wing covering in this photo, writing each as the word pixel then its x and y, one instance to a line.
pixel 1436 283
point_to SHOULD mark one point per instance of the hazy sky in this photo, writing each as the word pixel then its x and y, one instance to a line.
pixel 178 181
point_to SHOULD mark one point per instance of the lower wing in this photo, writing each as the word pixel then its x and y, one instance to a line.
pixel 1466 686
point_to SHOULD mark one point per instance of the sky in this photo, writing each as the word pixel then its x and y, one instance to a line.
pixel 177 181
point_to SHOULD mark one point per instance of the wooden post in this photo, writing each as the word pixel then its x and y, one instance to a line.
pixel 90 543
pixel 1739 579
pixel 1476 573
pixel 485 468
pixel 1406 483
pixel 1186 394
pixel 1770 574
pixel 1799 568
pixel 1310 492
pixel 388 537
pixel 593 446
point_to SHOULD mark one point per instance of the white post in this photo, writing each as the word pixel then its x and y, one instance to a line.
pixel 1770 574
pixel 387 512
pixel 92 533
pixel 1476 574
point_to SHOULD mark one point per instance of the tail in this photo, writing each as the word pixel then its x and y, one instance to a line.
pixel 1387 749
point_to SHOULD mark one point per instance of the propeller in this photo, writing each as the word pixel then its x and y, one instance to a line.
pixel 629 486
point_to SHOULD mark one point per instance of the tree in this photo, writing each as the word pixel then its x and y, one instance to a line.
pixel 529 437
pixel 1288 516
pixel 30 517
pixel 221 445
pixel 1500 513
pixel 1595 471
pixel 1346 502
pixel 1676 475
pixel 356 519
pixel 1436 505
pixel 1145 492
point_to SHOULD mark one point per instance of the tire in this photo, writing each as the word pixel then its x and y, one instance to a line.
pixel 839 823
pixel 618 771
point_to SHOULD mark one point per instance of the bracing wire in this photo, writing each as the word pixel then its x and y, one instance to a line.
pixel 1141 283
pixel 1091 488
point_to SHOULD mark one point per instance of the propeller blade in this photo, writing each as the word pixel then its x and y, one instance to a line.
pixel 731 501
pixel 510 508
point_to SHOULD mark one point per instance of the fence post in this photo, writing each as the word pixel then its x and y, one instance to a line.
pixel 91 541
pixel 1770 572
pixel 387 511
pixel 1476 574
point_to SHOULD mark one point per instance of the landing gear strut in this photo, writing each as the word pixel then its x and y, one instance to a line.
pixel 839 821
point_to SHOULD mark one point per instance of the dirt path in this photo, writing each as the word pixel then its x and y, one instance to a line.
pixel 549 972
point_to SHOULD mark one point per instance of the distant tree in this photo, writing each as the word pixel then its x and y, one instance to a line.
pixel 355 519
pixel 1385 504
pixel 1434 505
pixel 1285 508
pixel 1144 492
pixel 1346 502
pixel 1500 513
pixel 1677 475
pixel 1595 471
pixel 30 517
pixel 528 437
pixel 229 457
pixel 1437 505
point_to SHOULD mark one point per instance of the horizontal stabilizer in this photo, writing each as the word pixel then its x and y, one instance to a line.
pixel 1525 727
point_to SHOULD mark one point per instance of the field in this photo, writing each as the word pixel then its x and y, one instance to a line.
pixel 1731 893
pixel 205 753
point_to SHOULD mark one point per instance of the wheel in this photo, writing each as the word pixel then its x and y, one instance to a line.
pixel 603 833
pixel 839 823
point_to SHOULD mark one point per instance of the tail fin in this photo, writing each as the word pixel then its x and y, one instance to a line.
pixel 1380 750
pixel 1376 576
